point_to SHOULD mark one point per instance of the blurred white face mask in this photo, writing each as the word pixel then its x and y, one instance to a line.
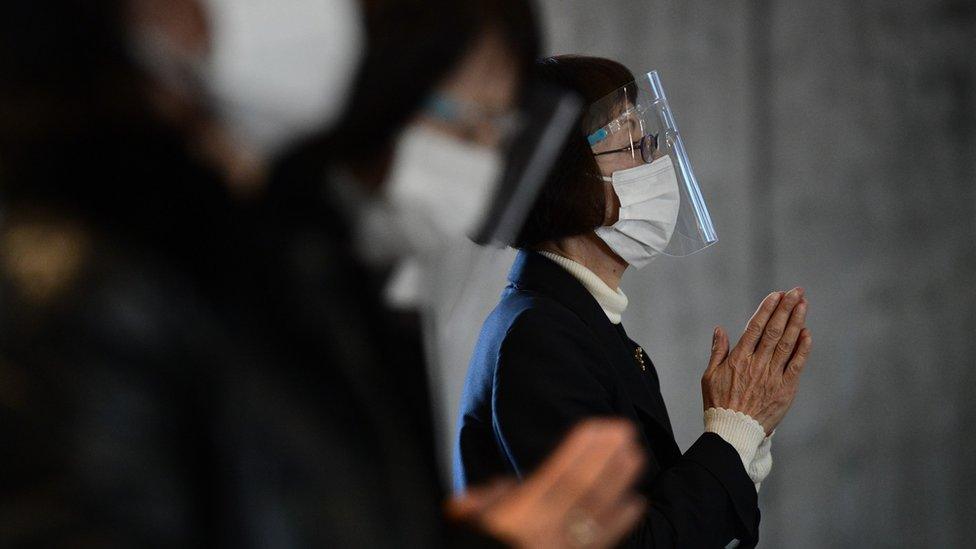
pixel 438 191
pixel 281 70
pixel 439 187
pixel 649 205
pixel 275 71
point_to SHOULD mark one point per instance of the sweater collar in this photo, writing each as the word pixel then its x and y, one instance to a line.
pixel 612 301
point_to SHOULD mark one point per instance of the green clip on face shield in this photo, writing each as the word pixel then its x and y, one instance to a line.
pixel 636 120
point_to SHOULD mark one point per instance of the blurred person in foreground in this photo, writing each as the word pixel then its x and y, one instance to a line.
pixel 193 356
pixel 554 350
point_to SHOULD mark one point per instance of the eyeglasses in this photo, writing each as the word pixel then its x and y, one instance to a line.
pixel 647 145
pixel 468 117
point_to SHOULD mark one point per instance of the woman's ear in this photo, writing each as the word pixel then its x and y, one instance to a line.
pixel 612 201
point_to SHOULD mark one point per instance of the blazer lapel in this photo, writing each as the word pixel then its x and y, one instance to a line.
pixel 656 408
pixel 534 272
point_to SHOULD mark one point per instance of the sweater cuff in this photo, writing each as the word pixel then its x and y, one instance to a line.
pixel 742 432
pixel 762 462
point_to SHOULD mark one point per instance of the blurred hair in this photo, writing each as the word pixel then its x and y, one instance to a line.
pixel 64 69
pixel 413 46
pixel 516 22
pixel 71 94
pixel 572 200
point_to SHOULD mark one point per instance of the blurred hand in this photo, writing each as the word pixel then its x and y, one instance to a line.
pixel 760 376
pixel 580 497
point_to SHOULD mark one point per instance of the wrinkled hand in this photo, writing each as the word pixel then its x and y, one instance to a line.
pixel 582 496
pixel 760 376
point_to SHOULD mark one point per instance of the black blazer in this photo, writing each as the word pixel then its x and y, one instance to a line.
pixel 549 357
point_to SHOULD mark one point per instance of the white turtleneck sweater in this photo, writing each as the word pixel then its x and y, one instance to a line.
pixel 744 433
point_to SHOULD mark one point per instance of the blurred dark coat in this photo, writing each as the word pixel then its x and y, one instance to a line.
pixel 181 370
pixel 547 358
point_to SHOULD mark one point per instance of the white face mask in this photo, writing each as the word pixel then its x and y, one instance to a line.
pixel 275 71
pixel 649 204
pixel 282 70
pixel 438 191
pixel 439 187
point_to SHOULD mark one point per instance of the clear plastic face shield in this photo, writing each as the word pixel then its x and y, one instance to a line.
pixel 457 278
pixel 634 126
pixel 478 259
pixel 462 181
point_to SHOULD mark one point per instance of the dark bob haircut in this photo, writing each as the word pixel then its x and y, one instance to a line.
pixel 572 201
